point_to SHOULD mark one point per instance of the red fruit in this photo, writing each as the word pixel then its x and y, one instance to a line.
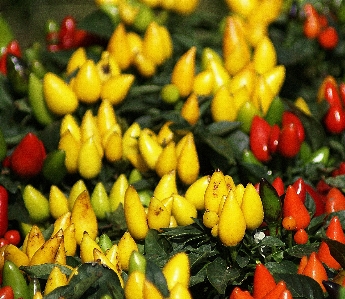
pixel 286 294
pixel 293 206
pixel 322 187
pixel 274 139
pixel 335 201
pixel 291 118
pixel 300 188
pixel 237 293
pixel 289 144
pixel 278 184
pixel 27 158
pixel 3 242
pixel 328 38
pixel 301 236
pixel 13 236
pixel 311 26
pixel 261 274
pixel 6 292
pixel 12 48
pixel 334 119
pixel 259 136
pixel 315 270
pixel 66 34
pixel 275 293
pixel 3 210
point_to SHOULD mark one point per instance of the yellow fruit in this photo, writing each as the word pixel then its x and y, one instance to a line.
pixel 264 56
pixel 158 216
pixel 35 240
pixel 183 210
pixel 58 202
pixel 77 188
pixel 87 83
pixel 215 191
pixel 242 7
pixel 165 134
pixel 153 44
pixel 135 214
pixel 125 248
pixel 69 240
pixel 223 107
pixel 196 192
pixel 71 146
pixel 149 147
pixel 232 224
pixel 117 192
pixel 190 110
pixel 113 147
pixel 84 217
pixel 14 254
pixel 76 60
pixel 252 207
pixel 55 279
pixel 203 84
pixel 177 270
pixel 89 159
pixel 100 201
pixel 36 204
pixel 69 123
pixel 166 186
pixel 55 89
pixel 134 286
pixel 180 291
pixel 116 88
pixel 106 117
pixel 167 160
pixel 87 247
pixel 188 161
pixel 210 218
pixel 62 222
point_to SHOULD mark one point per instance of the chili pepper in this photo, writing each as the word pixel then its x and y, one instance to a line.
pixel 274 139
pixel 27 158
pixel 6 292
pixel 17 74
pixel 300 188
pixel 34 286
pixel 291 118
pixel 259 135
pixel 36 204
pixel 278 184
pixel 328 38
pixel 137 262
pixel 3 211
pixel 13 277
pixel 190 110
pixel 271 202
pixel 54 169
pixel 334 232
pixel 334 289
pixel 311 25
pixel 246 114
pixel 275 293
pixel 289 223
pixel 335 201
pixel 100 201
pixel 237 293
pixel 275 111
pixel 315 270
pixel 252 207
pixel 293 206
pixel 12 48
pixel 301 236
pixel 320 156
pixel 222 105
pixel 286 294
pixel 289 144
pixel 334 119
pixel 262 274
pixel 13 237
pixel 318 200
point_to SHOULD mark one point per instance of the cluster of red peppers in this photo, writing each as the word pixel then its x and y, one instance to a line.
pixel 13 48
pixel 316 26
pixel 67 35
pixel 334 94
pixel 266 140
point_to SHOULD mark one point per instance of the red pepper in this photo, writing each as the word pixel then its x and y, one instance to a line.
pixel 27 158
pixel 311 25
pixel 278 184
pixel 6 292
pixel 291 118
pixel 328 38
pixel 329 91
pixel 334 232
pixel 12 48
pixel 3 210
pixel 261 274
pixel 274 139
pixel 335 201
pixel 289 143
pixel 259 136
pixel 293 206
pixel 334 119
pixel 66 34
pixel 237 293
pixel 300 188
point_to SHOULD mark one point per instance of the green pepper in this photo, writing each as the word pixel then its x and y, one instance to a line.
pixel 34 286
pixel 319 156
pixel 37 101
pixel 54 168
pixel 334 290
pixel 305 152
pixel 17 74
pixel 249 157
pixel 137 262
pixel 246 114
pixel 275 111
pixel 6 33
pixel 13 277
pixel 105 242
pixel 271 202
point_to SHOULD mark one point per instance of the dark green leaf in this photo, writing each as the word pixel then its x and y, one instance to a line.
pixel 222 128
pixel 220 274
pixel 155 275
pixel 301 286
pixel 301 250
pixel 336 181
pixel 43 271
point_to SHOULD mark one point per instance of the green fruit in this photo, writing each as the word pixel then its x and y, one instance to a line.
pixel 36 204
pixel 170 94
pixel 54 169
pixel 245 115
pixel 6 33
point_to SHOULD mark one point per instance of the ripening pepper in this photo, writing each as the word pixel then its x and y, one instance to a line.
pixel 259 135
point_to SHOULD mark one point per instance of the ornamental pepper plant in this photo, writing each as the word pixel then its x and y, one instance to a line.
pixel 175 149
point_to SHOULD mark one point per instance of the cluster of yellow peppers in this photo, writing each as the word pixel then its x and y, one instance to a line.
pixel 245 74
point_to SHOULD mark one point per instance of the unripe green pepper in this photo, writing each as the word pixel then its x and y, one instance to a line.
pixel 319 156
pixel 13 277
pixel 275 111
pixel 246 114
pixel 305 152
pixel 54 168
pixel 100 201
pixel 271 202
pixel 137 262
pixel 17 74
pixel 105 242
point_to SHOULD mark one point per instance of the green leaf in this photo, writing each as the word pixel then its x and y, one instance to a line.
pixel 337 250
pixel 301 250
pixel 336 181
pixel 155 275
pixel 220 274
pixel 301 286
pixel 92 281
pixel 156 248
pixel 43 271
pixel 222 128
